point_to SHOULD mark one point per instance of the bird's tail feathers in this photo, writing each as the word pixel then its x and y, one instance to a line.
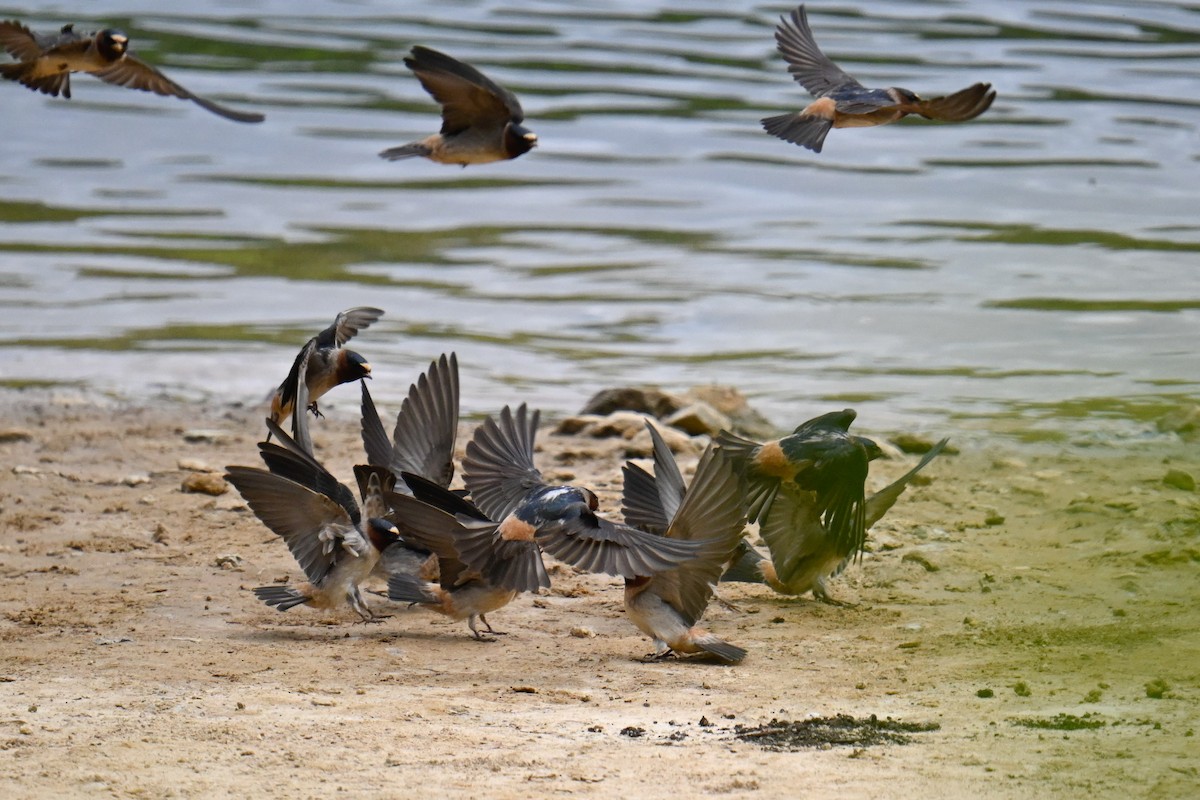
pixel 804 130
pixel 721 649
pixel 404 588
pixel 281 597
pixel 411 150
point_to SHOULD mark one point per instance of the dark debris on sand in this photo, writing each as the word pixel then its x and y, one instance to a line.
pixel 842 730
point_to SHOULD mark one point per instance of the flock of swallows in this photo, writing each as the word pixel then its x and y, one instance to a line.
pixel 468 552
pixel 481 120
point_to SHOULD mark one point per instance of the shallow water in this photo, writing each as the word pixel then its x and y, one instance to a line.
pixel 1035 268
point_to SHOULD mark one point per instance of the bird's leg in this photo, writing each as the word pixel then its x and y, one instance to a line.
pixel 725 604
pixel 479 637
pixel 663 653
pixel 316 412
pixel 491 630
pixel 821 594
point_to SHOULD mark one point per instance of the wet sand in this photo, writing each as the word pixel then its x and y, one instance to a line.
pixel 1038 605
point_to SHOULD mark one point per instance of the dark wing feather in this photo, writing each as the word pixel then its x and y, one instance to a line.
pixel 441 498
pixel 811 68
pixel 713 514
pixel 498 469
pixel 641 505
pixel 295 513
pixel 427 424
pixel 347 324
pixel 467 96
pixel 375 439
pixel 881 502
pixel 760 491
pixel 19 41
pixel 597 545
pixel 963 105
pixel 287 459
pixel 133 73
pixel 793 531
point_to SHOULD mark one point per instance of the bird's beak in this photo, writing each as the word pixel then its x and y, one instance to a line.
pixel 531 137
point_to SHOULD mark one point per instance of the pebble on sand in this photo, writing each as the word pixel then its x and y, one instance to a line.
pixel 205 483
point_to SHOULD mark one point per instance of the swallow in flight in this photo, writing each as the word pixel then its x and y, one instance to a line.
pixel 481 120
pixel 325 362
pixel 45 63
pixel 843 102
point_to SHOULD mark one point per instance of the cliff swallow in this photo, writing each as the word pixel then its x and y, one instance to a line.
pixel 481 120
pixel 319 520
pixel 815 522
pixel 668 605
pixel 45 63
pixel 534 516
pixel 843 102
pixel 459 591
pixel 326 363
pixel 422 443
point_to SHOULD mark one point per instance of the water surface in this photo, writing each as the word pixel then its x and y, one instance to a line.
pixel 1035 268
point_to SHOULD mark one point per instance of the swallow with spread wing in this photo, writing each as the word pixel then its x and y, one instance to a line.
pixel 535 516
pixel 325 362
pixel 45 63
pixel 843 102
pixel 321 523
pixel 481 120
pixel 668 606
pixel 458 591
pixel 422 443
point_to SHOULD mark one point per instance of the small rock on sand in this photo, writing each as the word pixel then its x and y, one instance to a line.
pixel 205 483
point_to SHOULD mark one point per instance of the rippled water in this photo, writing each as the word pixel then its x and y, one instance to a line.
pixel 1037 264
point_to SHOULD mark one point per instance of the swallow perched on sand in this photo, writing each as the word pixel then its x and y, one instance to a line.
pixel 803 553
pixel 843 102
pixel 45 63
pixel 481 120
pixel 533 516
pixel 326 362
pixel 459 592
pixel 422 443
pixel 668 605
pixel 319 520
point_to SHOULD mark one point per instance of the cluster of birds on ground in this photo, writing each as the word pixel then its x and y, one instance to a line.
pixel 468 552
pixel 481 120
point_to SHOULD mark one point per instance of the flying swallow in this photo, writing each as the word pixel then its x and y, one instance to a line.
pixel 534 516
pixel 45 63
pixel 459 592
pixel 668 605
pixel 422 443
pixel 326 362
pixel 481 120
pixel 321 523
pixel 843 102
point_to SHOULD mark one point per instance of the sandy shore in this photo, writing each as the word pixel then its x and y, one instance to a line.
pixel 1028 602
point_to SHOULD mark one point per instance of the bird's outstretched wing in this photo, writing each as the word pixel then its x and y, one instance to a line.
pixel 133 73
pixel 467 96
pixel 961 106
pixel 811 68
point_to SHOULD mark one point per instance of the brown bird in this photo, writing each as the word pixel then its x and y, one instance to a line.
pixel 319 520
pixel 532 515
pixel 806 491
pixel 422 443
pixel 45 63
pixel 481 120
pixel 843 102
pixel 458 591
pixel 325 362
pixel 668 605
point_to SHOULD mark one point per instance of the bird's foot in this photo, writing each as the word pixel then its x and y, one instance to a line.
pixel 316 412
pixel 659 655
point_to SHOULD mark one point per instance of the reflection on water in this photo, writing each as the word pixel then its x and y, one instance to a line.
pixel 1037 264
